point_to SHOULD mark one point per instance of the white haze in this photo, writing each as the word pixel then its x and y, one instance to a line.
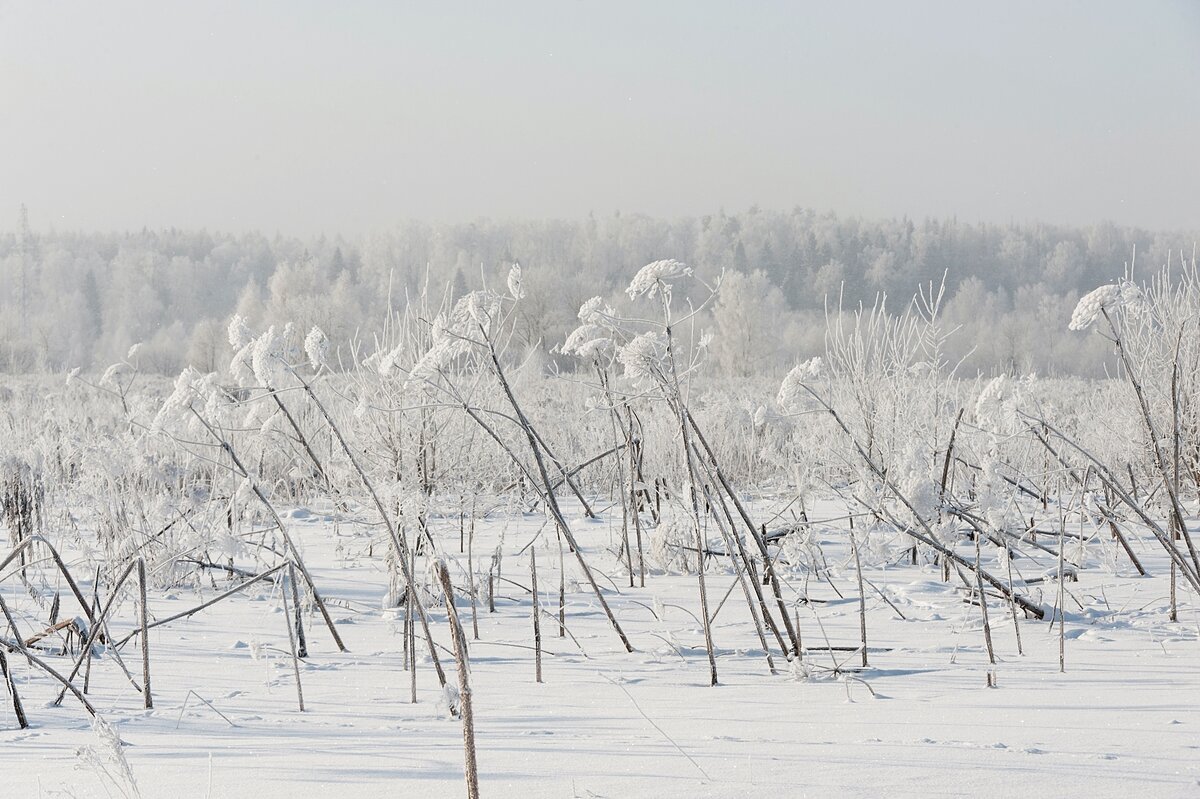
pixel 302 118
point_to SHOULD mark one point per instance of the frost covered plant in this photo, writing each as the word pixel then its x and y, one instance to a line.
pixel 801 671
pixel 1109 297
pixel 595 338
pixel 597 312
pixel 192 389
pixel 482 306
pixel 651 358
pixel 316 347
pixel 452 335
pixel 240 365
pixel 241 339
pixel 196 401
pixel 106 758
pixel 917 480
pixel 588 341
pixel 671 539
pixel 445 349
pixel 515 288
pixel 997 404
pixel 997 414
pixel 652 278
pixel 643 356
pixel 109 378
pixel 239 332
pixel 792 394
pixel 266 357
pixel 449 702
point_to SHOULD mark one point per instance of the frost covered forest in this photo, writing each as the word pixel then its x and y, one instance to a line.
pixel 78 299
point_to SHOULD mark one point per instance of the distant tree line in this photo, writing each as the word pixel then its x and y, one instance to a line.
pixel 83 299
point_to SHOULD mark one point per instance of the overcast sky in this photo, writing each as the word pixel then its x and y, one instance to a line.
pixel 303 116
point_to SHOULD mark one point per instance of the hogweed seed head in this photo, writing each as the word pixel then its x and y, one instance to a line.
pixel 596 311
pixel 651 278
pixel 1113 296
pixel 587 341
pixel 643 356
pixel 267 357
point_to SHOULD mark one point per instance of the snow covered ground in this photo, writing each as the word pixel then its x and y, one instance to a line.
pixel 918 721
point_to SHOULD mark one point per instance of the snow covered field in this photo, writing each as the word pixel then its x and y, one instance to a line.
pixel 918 721
pixel 912 584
